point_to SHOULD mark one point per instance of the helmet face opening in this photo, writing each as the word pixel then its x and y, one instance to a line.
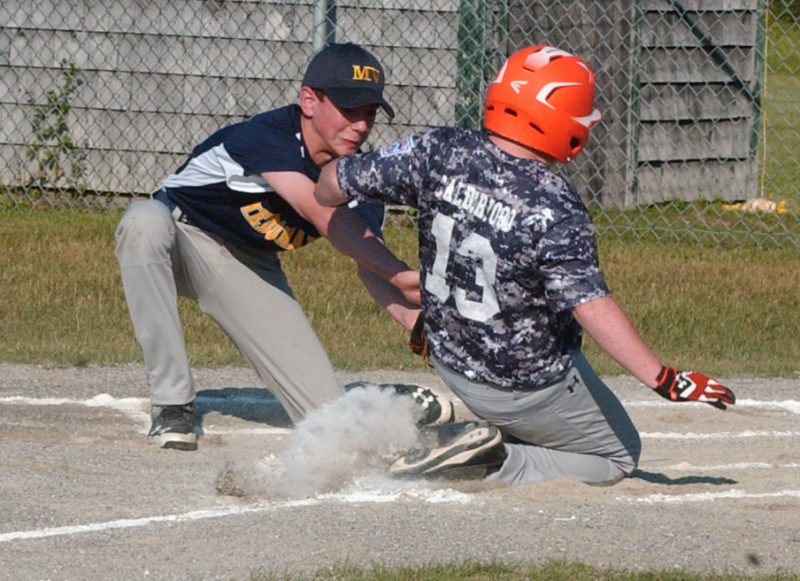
pixel 543 98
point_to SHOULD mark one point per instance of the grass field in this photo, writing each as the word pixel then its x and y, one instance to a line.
pixel 728 311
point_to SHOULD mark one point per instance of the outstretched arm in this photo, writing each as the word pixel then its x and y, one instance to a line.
pixel 609 326
pixel 346 232
pixel 390 298
pixel 396 304
pixel 328 192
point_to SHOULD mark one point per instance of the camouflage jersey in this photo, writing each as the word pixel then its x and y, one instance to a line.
pixel 507 248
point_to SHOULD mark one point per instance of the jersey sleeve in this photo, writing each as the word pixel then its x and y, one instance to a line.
pixel 569 262
pixel 392 174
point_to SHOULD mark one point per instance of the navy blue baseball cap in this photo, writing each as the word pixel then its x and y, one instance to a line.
pixel 349 75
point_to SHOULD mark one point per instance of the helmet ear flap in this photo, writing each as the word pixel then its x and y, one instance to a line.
pixel 543 98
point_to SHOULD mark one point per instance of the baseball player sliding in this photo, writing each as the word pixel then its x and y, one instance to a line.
pixel 510 281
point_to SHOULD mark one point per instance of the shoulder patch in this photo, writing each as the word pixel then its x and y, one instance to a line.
pixel 402 146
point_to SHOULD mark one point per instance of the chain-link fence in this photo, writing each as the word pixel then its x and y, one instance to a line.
pixel 100 99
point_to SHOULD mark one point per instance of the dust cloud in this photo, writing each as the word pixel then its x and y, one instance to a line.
pixel 357 436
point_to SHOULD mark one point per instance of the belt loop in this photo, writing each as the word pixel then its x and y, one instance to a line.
pixel 177 214
pixel 180 216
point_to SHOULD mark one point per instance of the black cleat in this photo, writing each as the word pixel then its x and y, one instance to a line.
pixel 459 450
pixel 173 427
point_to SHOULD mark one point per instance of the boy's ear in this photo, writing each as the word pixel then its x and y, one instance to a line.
pixel 308 101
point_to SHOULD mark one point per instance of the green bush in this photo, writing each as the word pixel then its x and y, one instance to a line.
pixel 57 160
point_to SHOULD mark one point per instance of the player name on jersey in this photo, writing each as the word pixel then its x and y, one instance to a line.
pixel 481 205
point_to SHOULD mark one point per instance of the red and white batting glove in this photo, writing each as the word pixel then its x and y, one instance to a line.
pixel 677 385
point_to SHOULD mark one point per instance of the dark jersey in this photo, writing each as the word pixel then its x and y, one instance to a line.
pixel 507 248
pixel 220 189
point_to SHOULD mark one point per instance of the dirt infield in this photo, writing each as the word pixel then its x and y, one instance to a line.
pixel 85 497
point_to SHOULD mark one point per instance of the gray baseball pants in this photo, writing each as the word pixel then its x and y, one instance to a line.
pixel 574 428
pixel 244 291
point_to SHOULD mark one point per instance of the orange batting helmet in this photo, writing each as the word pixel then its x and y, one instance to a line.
pixel 543 98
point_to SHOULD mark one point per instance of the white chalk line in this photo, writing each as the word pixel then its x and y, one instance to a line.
pixel 123 403
pixel 688 466
pixel 789 405
pixel 719 435
pixel 139 522
pixel 707 496
pixel 364 496
pixel 136 409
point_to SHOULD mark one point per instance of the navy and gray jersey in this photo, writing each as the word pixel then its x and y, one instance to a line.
pixel 507 248
pixel 219 188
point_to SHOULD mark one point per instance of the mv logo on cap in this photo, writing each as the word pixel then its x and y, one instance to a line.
pixel 366 73
pixel 348 75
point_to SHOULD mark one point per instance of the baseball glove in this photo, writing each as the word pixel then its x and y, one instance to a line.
pixel 416 340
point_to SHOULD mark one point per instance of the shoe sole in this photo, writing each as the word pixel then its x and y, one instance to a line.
pixel 447 412
pixel 455 453
pixel 174 441
pixel 445 407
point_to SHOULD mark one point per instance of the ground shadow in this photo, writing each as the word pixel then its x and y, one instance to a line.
pixel 659 478
pixel 253 404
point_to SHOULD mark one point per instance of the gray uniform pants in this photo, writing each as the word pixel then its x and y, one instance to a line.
pixel 245 292
pixel 575 428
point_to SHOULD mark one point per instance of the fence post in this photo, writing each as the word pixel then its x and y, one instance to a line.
pixel 324 25
pixel 482 30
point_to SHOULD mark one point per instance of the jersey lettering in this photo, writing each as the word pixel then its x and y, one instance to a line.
pixel 274 228
pixel 474 246
pixel 366 73
pixel 479 247
pixel 436 280
pixel 498 215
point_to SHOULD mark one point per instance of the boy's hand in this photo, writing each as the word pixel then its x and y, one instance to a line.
pixel 408 283
pixel 677 385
